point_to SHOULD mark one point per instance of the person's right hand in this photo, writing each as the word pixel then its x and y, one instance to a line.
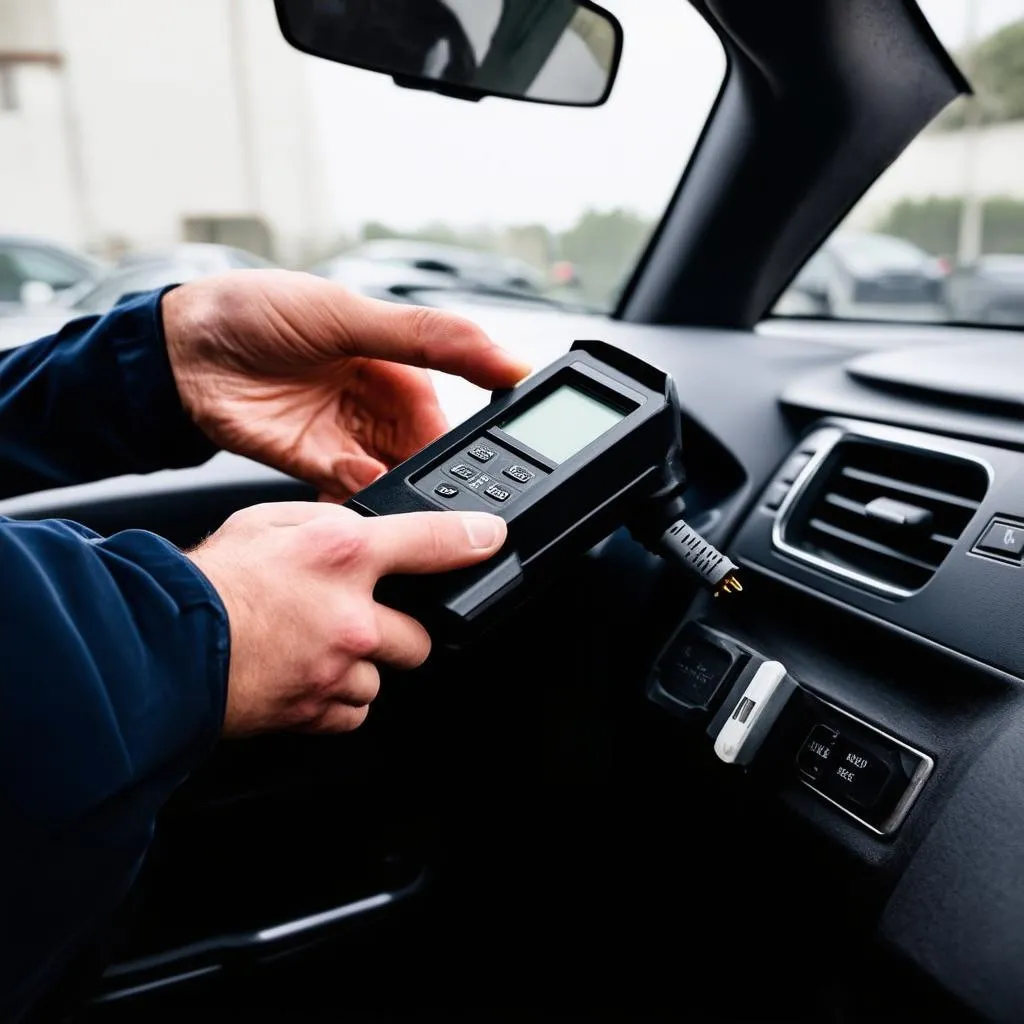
pixel 307 636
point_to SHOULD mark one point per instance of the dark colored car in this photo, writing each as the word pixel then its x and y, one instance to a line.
pixel 460 266
pixel 868 276
pixel 989 291
pixel 34 270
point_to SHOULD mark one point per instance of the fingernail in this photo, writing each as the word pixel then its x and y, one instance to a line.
pixel 484 531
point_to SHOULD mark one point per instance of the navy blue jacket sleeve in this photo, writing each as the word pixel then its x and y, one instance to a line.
pixel 114 656
pixel 97 399
pixel 113 652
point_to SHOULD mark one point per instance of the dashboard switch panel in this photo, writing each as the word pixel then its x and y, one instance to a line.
pixel 694 670
pixel 1002 538
pixel 870 775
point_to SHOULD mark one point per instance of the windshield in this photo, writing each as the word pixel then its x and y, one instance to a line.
pixel 940 236
pixel 231 149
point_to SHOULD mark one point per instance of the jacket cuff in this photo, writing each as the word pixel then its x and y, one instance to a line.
pixel 172 439
pixel 204 624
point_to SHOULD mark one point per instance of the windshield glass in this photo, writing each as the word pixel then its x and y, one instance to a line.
pixel 940 236
pixel 230 148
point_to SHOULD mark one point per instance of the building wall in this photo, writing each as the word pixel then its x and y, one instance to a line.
pixel 36 196
pixel 938 164
pixel 162 111
pixel 27 26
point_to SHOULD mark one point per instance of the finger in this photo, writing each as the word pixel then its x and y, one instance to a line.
pixel 431 338
pixel 338 476
pixel 424 542
pixel 337 718
pixel 404 643
pixel 359 686
pixel 349 473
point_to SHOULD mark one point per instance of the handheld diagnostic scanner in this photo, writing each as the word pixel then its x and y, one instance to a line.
pixel 590 443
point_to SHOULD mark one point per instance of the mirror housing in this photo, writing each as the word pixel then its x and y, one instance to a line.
pixel 562 52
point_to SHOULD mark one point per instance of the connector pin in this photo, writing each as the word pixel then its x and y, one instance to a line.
pixel 730 585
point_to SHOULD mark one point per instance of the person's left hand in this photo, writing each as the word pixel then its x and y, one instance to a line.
pixel 301 374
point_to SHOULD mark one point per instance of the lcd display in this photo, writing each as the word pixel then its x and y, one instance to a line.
pixel 563 424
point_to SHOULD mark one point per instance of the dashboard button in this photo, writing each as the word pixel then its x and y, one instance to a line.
pixel 694 670
pixel 817 753
pixel 520 474
pixel 481 453
pixel 462 471
pixel 446 490
pixel 775 496
pixel 852 775
pixel 498 493
pixel 1003 538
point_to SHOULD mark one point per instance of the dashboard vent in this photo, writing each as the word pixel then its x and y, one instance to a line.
pixel 883 515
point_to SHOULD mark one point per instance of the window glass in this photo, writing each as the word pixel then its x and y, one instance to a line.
pixel 48 267
pixel 940 236
pixel 227 138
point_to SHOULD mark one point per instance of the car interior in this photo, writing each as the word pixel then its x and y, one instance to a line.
pixel 540 824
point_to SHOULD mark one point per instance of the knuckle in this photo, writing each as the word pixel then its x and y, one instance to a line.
pixel 322 677
pixel 339 540
pixel 359 634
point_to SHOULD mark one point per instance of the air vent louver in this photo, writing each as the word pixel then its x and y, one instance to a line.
pixel 883 514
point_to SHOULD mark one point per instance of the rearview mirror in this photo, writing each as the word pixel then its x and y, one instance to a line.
pixel 547 51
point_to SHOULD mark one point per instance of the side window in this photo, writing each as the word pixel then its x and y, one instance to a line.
pixel 48 267
pixel 940 236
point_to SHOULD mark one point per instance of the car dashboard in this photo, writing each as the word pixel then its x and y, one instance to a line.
pixel 571 776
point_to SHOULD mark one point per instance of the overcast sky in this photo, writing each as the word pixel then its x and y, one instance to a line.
pixel 951 18
pixel 407 158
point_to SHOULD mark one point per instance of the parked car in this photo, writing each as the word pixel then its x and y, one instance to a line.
pixel 868 276
pixel 205 257
pixel 379 280
pixel 459 265
pixel 402 282
pixel 34 270
pixel 136 272
pixel 89 297
pixel 989 291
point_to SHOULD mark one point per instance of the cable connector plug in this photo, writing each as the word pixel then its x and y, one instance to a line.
pixel 681 543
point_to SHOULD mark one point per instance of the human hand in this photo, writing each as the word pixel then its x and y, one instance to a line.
pixel 299 373
pixel 297 580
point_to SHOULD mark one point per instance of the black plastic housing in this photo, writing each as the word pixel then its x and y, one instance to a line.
pixel 566 509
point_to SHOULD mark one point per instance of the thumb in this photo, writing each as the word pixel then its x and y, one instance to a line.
pixel 427 542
